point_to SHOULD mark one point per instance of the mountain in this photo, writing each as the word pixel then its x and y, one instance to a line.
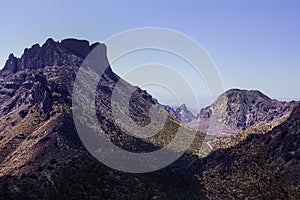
pixel 264 166
pixel 184 114
pixel 235 138
pixel 41 154
pixel 35 106
pixel 169 109
pixel 67 52
pixel 238 109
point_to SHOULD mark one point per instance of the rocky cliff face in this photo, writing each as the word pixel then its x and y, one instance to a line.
pixel 238 109
pixel 51 53
pixel 35 106
pixel 41 155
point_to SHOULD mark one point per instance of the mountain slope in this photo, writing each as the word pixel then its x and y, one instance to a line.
pixel 235 138
pixel 263 166
pixel 42 156
pixel 238 109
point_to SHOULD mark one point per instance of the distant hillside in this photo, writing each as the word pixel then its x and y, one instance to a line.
pixel 264 166
pixel 238 109
pixel 235 138
pixel 185 115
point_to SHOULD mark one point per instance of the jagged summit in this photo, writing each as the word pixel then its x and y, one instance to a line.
pixel 49 54
pixel 185 115
pixel 182 106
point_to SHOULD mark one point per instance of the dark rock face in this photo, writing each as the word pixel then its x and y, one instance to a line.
pixel 238 109
pixel 79 47
pixel 24 88
pixel 49 54
pixel 12 63
pixel 261 167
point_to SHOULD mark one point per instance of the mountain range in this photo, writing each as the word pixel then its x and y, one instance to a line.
pixel 43 157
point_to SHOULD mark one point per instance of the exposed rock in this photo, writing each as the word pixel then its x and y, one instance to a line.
pixel 49 54
pixel 79 47
pixel 238 109
pixel 40 147
pixel 185 115
pixel 12 63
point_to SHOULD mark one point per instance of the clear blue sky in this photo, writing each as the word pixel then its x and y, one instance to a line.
pixel 255 44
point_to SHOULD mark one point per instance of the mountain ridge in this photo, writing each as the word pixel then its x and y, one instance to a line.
pixel 49 54
pixel 238 109
pixel 41 154
pixel 42 157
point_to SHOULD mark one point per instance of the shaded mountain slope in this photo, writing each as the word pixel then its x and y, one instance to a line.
pixel 261 167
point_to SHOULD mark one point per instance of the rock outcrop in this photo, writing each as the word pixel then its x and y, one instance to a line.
pixel 50 54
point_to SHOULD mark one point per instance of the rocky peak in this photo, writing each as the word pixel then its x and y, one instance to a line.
pixel 12 63
pixel 246 96
pixel 51 53
pixel 238 109
pixel 167 108
pixel 185 115
pixel 182 107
